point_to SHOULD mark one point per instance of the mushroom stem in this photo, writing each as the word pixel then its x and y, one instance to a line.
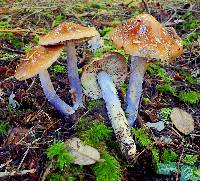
pixel 73 76
pixel 51 95
pixel 117 115
pixel 138 68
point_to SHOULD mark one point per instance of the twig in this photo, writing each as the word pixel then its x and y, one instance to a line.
pixel 12 50
pixel 13 173
pixel 146 6
pixel 4 164
pixel 25 154
pixel 47 171
pixel 22 30
pixel 179 161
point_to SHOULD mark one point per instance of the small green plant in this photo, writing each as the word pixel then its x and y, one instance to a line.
pixel 4 24
pixel 190 97
pixel 161 72
pixel 189 38
pixel 96 133
pixel 189 78
pixel 146 100
pixel 124 88
pixel 169 156
pixel 108 170
pixel 142 136
pixel 59 151
pixel 105 31
pixel 166 88
pixel 165 113
pixel 57 177
pixel 9 36
pixel 58 20
pixel 57 69
pixel 190 159
pixel 144 139
pixel 190 22
pixel 152 69
pixel 27 48
pixel 155 154
pixel 3 128
pixel 93 104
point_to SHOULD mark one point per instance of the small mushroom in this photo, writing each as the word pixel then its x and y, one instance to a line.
pixel 99 79
pixel 144 38
pixel 37 61
pixel 71 34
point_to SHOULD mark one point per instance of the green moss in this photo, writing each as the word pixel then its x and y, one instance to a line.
pixel 189 38
pixel 27 48
pixel 142 136
pixel 166 88
pixel 94 104
pixel 190 159
pixel 3 128
pixel 57 177
pixel 97 133
pixel 57 69
pixel 189 78
pixel 190 97
pixel 169 156
pixel 155 154
pixel 165 113
pixel 58 19
pixel 59 151
pixel 109 170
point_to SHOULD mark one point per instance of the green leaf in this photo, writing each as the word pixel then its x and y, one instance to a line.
pixel 169 156
pixel 190 159
pixel 3 128
pixel 167 168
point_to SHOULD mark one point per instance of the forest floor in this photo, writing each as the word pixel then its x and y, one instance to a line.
pixel 32 132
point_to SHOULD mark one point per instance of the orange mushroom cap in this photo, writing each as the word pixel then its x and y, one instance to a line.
pixel 67 32
pixel 144 36
pixel 37 59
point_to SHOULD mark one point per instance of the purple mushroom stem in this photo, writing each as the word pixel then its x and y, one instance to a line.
pixel 73 76
pixel 51 95
pixel 134 92
pixel 116 115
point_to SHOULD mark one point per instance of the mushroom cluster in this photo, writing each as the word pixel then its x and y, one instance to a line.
pixel 143 38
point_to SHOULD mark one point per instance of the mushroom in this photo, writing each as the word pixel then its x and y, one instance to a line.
pixel 99 79
pixel 36 61
pixel 144 38
pixel 71 34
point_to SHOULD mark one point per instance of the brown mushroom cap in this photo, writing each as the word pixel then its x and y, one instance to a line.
pixel 144 36
pixel 37 59
pixel 66 32
pixel 112 63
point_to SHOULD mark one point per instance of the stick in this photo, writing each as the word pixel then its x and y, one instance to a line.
pixel 13 173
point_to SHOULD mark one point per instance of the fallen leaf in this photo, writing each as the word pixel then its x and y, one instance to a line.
pixel 83 154
pixel 182 120
pixel 158 125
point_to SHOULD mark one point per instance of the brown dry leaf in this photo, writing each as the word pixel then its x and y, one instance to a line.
pixel 83 154
pixel 182 120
